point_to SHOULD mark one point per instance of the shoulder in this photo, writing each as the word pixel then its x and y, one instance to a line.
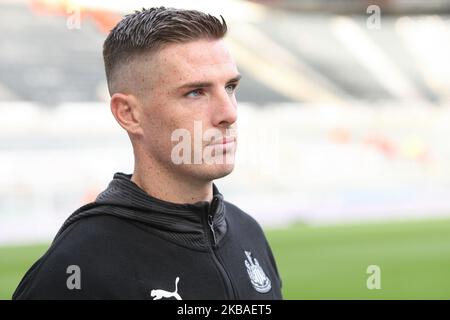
pixel 237 213
pixel 89 250
pixel 242 220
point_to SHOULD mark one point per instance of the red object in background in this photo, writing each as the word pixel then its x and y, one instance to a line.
pixel 383 144
pixel 104 20
pixel 340 135
pixel 46 7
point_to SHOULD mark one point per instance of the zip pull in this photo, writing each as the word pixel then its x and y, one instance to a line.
pixel 211 226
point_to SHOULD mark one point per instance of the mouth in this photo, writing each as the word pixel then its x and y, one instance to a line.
pixel 225 141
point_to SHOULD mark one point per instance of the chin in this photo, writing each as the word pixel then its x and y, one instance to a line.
pixel 222 170
pixel 210 172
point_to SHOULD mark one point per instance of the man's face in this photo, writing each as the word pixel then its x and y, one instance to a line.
pixel 191 87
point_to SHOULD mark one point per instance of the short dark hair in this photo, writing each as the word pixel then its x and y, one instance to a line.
pixel 148 30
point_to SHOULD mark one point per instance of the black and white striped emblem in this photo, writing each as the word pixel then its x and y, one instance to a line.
pixel 258 278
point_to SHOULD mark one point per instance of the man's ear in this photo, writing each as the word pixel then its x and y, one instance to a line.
pixel 126 109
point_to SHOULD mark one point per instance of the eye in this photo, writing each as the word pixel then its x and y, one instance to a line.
pixel 231 88
pixel 194 93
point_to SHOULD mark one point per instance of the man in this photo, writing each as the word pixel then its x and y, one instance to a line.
pixel 165 231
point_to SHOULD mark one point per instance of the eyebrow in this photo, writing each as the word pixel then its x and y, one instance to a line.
pixel 201 84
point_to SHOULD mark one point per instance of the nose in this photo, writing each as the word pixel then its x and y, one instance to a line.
pixel 224 109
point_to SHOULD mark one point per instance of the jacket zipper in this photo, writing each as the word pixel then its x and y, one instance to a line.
pixel 211 227
pixel 216 258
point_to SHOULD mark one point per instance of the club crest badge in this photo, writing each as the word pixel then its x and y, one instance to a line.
pixel 258 278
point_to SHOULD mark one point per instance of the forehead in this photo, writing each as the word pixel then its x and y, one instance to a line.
pixel 196 60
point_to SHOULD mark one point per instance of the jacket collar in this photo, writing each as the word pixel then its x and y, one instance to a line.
pixel 185 224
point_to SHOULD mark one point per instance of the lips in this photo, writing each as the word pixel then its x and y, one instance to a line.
pixel 224 141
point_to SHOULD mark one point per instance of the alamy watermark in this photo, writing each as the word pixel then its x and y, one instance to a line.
pixel 374 280
pixel 258 148
pixel 74 19
pixel 74 280
pixel 373 22
pixel 192 149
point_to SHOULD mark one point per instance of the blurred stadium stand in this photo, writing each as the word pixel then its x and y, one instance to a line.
pixel 45 62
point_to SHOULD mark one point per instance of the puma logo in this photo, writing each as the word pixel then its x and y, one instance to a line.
pixel 159 293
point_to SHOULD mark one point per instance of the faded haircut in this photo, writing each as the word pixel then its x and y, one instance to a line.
pixel 146 31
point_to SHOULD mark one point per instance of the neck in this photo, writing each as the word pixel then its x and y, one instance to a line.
pixel 161 183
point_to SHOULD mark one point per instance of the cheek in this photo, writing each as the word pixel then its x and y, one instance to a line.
pixel 155 127
pixel 159 130
pixel 168 115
